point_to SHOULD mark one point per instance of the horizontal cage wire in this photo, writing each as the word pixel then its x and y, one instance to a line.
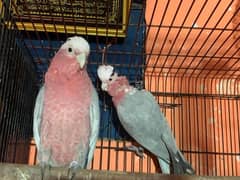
pixel 186 53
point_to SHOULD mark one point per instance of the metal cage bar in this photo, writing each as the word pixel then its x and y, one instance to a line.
pixel 186 53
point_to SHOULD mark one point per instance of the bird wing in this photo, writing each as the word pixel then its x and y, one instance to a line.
pixel 140 115
pixel 94 124
pixel 38 110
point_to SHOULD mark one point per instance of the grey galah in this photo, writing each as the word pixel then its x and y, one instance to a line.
pixel 142 118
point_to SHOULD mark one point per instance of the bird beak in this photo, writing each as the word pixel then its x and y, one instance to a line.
pixel 81 59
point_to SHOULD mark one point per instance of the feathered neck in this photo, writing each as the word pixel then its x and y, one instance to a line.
pixel 118 88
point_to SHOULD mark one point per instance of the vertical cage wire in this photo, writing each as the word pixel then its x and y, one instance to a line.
pixel 186 53
pixel 193 65
pixel 17 92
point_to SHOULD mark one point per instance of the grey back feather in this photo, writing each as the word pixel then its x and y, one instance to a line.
pixel 142 118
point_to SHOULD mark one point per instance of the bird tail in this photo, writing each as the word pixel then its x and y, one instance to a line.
pixel 179 165
pixel 165 167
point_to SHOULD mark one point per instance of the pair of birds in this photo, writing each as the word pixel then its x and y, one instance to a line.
pixel 66 114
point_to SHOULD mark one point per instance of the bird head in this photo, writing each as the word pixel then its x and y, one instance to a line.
pixel 116 86
pixel 78 48
pixel 106 74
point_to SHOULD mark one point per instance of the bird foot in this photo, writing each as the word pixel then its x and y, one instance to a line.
pixel 138 150
pixel 74 165
pixel 45 171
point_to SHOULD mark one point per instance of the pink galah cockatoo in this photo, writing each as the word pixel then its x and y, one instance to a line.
pixel 66 115
pixel 142 118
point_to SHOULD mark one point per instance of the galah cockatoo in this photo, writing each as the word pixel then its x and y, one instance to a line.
pixel 142 118
pixel 66 115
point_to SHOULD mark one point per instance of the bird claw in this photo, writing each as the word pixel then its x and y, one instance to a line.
pixel 45 171
pixel 74 165
pixel 71 174
pixel 137 150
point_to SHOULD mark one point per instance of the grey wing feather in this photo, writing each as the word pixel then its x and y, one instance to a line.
pixel 94 122
pixel 141 117
pixel 38 110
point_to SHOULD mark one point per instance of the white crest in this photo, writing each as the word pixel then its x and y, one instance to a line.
pixel 104 72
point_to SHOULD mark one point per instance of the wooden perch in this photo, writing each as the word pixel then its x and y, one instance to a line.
pixel 25 172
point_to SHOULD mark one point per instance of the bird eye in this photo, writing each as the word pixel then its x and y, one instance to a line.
pixel 70 50
pixel 110 79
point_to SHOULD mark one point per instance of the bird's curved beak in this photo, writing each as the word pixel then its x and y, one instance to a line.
pixel 81 59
